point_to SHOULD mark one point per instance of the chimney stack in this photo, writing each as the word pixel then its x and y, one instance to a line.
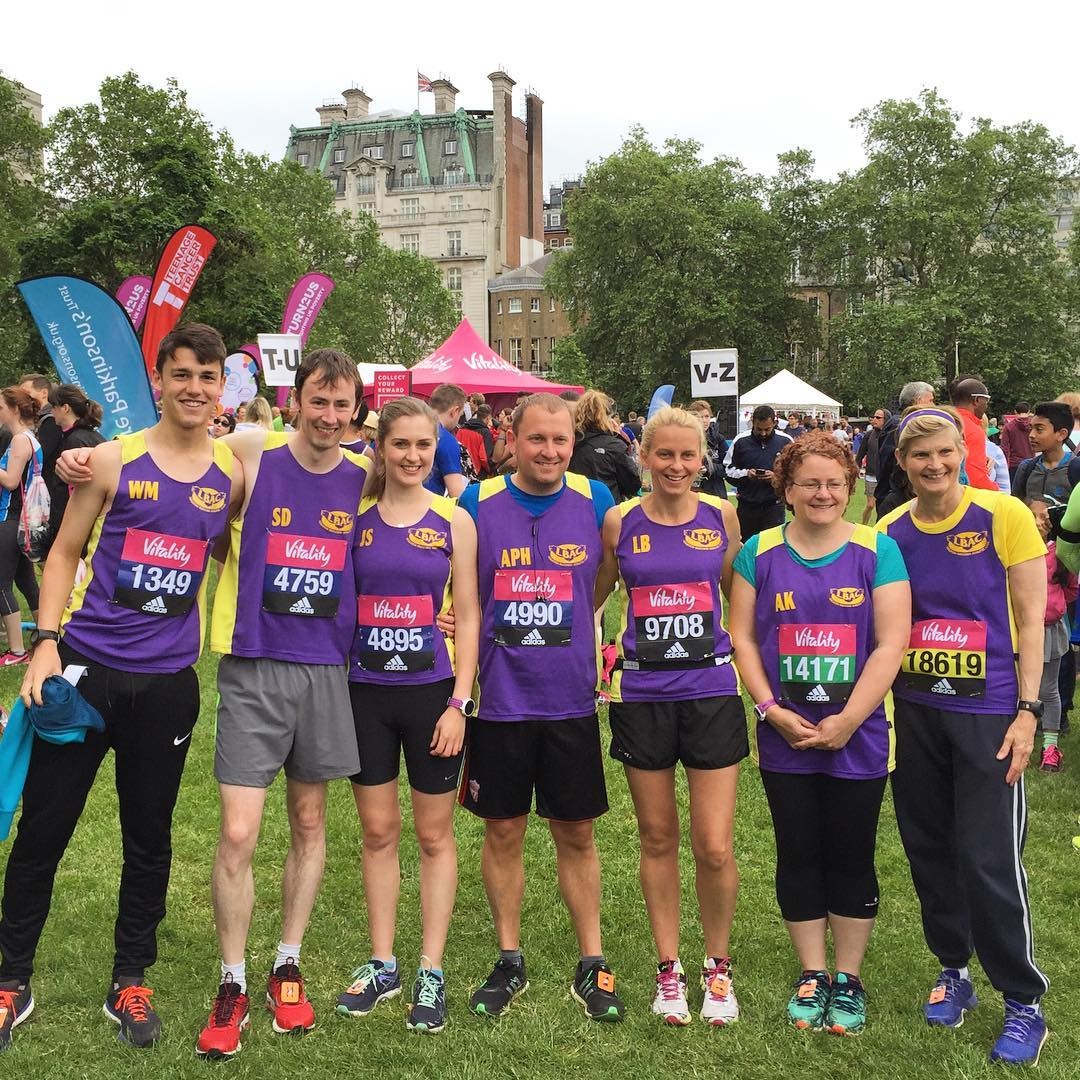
pixel 331 114
pixel 445 95
pixel 534 134
pixel 356 103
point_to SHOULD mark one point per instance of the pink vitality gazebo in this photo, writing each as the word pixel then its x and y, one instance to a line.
pixel 465 359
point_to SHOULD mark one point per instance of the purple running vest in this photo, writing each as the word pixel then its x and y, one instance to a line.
pixel 960 655
pixel 402 583
pixel 815 630
pixel 538 652
pixel 672 625
pixel 287 591
pixel 142 605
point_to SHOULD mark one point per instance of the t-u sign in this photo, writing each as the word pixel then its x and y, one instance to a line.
pixel 280 358
pixel 714 373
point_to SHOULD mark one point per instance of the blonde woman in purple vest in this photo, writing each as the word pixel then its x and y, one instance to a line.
pixel 675 698
pixel 820 610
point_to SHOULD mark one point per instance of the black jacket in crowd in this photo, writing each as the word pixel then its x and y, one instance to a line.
pixel 748 452
pixel 604 456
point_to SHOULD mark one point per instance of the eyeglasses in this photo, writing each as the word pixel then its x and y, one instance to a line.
pixel 817 485
pixel 221 420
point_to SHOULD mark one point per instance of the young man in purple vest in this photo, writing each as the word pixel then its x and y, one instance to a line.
pixel 536 726
pixel 148 519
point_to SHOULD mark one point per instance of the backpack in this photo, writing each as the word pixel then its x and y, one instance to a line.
pixel 34 533
pixel 1027 467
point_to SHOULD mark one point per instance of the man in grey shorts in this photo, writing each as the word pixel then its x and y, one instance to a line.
pixel 284 618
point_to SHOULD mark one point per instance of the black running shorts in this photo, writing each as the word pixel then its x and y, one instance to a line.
pixel 705 733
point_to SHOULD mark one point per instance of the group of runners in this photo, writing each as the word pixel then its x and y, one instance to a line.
pixel 356 610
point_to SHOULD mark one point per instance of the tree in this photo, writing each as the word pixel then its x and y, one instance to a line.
pixel 671 254
pixel 569 365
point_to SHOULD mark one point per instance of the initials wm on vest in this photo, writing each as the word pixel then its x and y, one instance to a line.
pixel 641 543
pixel 143 489
pixel 517 556
pixel 785 601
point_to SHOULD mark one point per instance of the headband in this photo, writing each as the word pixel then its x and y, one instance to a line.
pixel 940 413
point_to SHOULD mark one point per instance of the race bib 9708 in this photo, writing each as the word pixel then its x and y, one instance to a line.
pixel 673 623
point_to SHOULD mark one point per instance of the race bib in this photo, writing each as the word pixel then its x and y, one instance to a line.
pixel 817 662
pixel 533 607
pixel 673 623
pixel 303 575
pixel 159 574
pixel 946 657
pixel 396 633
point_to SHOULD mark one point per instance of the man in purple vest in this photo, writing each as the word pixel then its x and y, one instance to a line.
pixel 536 726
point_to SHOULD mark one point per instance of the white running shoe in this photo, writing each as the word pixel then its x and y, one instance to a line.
pixel 720 1006
pixel 670 1001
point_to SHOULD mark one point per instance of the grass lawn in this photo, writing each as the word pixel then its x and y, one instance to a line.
pixel 545 1034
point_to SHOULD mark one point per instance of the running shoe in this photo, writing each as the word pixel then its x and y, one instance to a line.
pixel 846 1014
pixel 371 983
pixel 228 1018
pixel 130 1008
pixel 670 1000
pixel 593 989
pixel 428 1012
pixel 493 996
pixel 10 659
pixel 1022 1038
pixel 719 1006
pixel 1052 760
pixel 809 1000
pixel 949 1000
pixel 16 1005
pixel 285 998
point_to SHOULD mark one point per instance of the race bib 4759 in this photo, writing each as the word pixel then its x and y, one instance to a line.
pixel 303 575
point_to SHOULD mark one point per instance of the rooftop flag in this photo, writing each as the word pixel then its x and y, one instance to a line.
pixel 423 84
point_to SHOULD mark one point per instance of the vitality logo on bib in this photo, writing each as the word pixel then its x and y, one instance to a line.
pixel 967 543
pixel 207 499
pixel 336 521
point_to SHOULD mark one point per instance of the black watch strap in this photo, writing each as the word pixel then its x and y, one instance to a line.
pixel 44 635
pixel 1033 707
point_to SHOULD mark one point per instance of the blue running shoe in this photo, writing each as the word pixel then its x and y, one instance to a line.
pixel 371 984
pixel 1022 1038
pixel 949 1000
pixel 428 1012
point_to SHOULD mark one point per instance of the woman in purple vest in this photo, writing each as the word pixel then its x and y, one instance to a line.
pixel 675 697
pixel 820 611
pixel 414 557
pixel 966 708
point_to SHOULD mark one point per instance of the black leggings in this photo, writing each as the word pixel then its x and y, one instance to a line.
pixel 826 831
pixel 16 568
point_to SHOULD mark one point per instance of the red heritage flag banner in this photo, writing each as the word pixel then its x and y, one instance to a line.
pixel 177 271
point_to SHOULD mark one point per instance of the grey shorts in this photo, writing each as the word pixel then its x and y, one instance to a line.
pixel 871 485
pixel 274 715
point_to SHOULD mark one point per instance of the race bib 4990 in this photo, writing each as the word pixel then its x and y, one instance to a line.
pixel 534 607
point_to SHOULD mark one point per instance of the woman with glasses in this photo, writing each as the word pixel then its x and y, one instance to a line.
pixel 820 615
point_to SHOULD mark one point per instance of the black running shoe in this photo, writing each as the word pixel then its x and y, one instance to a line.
pixel 16 1004
pixel 428 1012
pixel 594 989
pixel 504 984
pixel 130 1008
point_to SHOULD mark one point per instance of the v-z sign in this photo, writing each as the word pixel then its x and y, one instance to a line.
pixel 714 373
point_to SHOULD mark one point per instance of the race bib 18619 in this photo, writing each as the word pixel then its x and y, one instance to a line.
pixel 303 575
pixel 946 657
pixel 534 607
pixel 159 574
pixel 817 662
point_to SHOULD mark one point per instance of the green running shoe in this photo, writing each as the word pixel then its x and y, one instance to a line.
pixel 809 1000
pixel 846 1014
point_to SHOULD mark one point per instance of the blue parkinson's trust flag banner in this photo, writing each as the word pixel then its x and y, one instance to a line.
pixel 92 344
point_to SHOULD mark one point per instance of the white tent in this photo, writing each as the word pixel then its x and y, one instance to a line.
pixel 785 392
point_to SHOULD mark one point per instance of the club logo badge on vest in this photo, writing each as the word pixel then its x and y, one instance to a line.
pixel 848 597
pixel 568 554
pixel 967 543
pixel 336 521
pixel 703 539
pixel 427 539
pixel 208 499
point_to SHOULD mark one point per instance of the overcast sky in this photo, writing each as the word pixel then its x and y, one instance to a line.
pixel 749 81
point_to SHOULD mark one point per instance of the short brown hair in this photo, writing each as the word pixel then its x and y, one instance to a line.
pixel 204 341
pixel 548 402
pixel 446 396
pixel 38 382
pixel 813 444
pixel 328 366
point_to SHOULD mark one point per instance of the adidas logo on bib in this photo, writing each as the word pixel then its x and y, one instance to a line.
pixel 395 664
pixel 677 652
pixel 819 693
pixel 302 607
pixel 156 606
pixel 943 687
pixel 533 638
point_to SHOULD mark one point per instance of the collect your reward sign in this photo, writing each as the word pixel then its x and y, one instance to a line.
pixel 280 355
pixel 714 373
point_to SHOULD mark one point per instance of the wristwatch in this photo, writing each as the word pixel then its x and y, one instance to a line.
pixel 764 707
pixel 37 635
pixel 466 705
pixel 1033 707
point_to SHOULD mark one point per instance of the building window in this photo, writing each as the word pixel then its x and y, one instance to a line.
pixel 410 241
pixel 551 303
pixel 339 155
pixel 454 176
pixel 374 152
pixel 457 204
pixel 410 178
pixel 534 352
pixel 365 184
pixel 449 147
pixel 551 348
pixel 554 220
pixel 813 303
pixel 407 149
pixel 498 307
pixel 498 346
pixel 453 279
pixel 410 208
pixel 367 208
pixel 453 242
pixel 339 185
pixel 515 351
pixel 515 305
pixel 534 305
pixel 303 158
